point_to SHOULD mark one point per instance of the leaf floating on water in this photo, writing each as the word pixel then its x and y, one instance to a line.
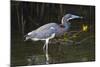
pixel 74 36
pixel 85 28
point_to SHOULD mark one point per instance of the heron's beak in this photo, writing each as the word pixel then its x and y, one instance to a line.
pixel 75 17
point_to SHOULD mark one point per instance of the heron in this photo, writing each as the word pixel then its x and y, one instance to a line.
pixel 51 30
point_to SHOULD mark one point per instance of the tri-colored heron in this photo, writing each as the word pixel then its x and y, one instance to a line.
pixel 51 30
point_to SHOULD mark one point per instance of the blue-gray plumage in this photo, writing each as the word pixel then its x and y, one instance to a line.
pixel 50 30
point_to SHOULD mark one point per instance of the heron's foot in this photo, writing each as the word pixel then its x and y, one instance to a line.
pixel 47 62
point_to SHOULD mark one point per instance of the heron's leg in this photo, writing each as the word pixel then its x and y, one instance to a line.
pixel 44 47
pixel 47 56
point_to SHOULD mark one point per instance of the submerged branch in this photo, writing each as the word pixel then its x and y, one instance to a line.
pixel 68 42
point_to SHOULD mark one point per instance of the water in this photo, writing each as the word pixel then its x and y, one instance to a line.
pixel 31 53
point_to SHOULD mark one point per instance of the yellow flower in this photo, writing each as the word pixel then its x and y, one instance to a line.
pixel 85 28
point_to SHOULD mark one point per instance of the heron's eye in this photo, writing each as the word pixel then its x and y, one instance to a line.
pixel 62 26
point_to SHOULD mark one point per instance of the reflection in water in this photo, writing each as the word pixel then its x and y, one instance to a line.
pixel 38 59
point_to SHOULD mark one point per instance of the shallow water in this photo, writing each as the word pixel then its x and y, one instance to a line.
pixel 31 53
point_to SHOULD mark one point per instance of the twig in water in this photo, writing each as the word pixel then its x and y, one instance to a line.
pixel 84 39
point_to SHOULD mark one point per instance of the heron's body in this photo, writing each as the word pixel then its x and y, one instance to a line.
pixel 45 31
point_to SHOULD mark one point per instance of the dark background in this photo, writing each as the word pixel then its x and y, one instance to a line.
pixel 27 16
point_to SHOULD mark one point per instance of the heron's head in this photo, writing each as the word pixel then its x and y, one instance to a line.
pixel 68 17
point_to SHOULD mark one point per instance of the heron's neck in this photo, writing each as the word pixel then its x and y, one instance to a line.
pixel 65 22
pixel 66 25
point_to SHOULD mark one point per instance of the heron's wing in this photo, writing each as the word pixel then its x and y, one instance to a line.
pixel 47 26
pixel 43 30
pixel 45 33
